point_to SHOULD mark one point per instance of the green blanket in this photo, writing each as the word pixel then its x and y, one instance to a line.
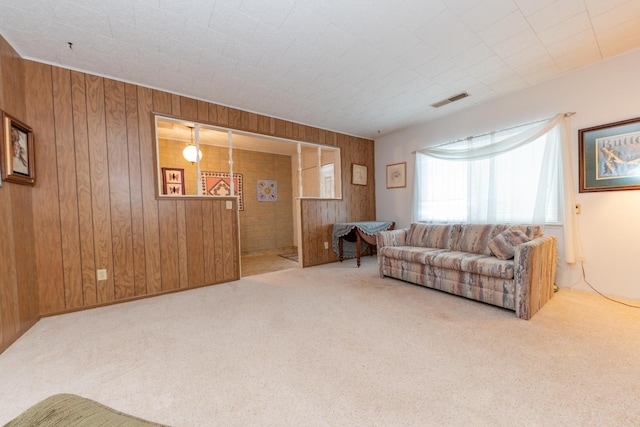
pixel 69 410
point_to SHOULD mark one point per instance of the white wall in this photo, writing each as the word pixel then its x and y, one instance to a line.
pixel 610 221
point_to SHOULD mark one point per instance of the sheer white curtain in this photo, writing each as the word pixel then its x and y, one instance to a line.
pixel 519 175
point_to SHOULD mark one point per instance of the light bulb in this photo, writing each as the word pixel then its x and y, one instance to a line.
pixel 191 154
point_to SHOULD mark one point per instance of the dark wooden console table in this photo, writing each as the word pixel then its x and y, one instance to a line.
pixel 355 233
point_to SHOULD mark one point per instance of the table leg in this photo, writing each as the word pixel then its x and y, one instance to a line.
pixel 358 246
pixel 340 248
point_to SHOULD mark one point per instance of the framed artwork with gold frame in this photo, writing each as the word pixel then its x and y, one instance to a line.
pixel 17 155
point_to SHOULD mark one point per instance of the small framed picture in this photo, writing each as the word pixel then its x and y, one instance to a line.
pixel 18 155
pixel 609 157
pixel 397 175
pixel 358 174
pixel 173 181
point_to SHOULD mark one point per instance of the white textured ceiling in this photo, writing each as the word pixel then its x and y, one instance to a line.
pixel 362 67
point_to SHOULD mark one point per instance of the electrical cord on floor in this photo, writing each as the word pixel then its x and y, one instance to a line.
pixel 584 277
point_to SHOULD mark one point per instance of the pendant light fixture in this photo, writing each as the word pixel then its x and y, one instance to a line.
pixel 191 152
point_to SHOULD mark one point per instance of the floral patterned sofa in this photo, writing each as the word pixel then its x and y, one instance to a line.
pixel 511 266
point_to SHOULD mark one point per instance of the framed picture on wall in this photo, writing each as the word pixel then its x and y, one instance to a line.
pixel 18 155
pixel 219 184
pixel 609 156
pixel 173 181
pixel 358 174
pixel 397 175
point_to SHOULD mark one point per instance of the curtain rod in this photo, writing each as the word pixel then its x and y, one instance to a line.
pixel 569 114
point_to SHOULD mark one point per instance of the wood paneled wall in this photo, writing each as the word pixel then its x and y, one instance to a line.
pixel 18 287
pixel 358 204
pixel 94 205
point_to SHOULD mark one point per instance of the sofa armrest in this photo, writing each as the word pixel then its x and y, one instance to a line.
pixel 535 272
pixel 392 238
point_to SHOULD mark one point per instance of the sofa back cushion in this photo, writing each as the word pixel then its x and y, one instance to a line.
pixel 475 238
pixel 433 235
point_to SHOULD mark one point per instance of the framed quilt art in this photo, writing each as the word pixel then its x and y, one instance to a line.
pixel 267 190
pixel 219 184
pixel 173 181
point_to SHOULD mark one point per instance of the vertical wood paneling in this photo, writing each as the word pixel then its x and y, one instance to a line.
pixel 135 185
pixel 19 307
pixel 209 244
pixel 218 241
pixel 229 242
pixel 280 128
pixel 9 314
pixel 12 88
pixel 167 212
pixel 99 167
pixel 263 125
pixel 296 132
pixel 179 105
pixel 27 291
pixel 169 244
pixel 48 248
pixel 250 121
pixel 183 256
pixel 175 105
pixel 83 186
pixel 203 111
pixel 195 232
pixel 358 202
pixel 223 115
pixel 149 203
pixel 330 212
pixel 188 108
pixel 67 188
pixel 235 118
pixel 119 191
pixel 315 232
pixel 5 53
pixel 162 102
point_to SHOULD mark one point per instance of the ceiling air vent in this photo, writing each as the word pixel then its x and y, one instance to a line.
pixel 454 98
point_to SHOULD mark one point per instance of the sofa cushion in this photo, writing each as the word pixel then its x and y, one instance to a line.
pixel 472 263
pixel 475 238
pixel 408 253
pixel 503 246
pixel 433 235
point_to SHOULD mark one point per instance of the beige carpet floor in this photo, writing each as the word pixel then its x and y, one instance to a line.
pixel 336 345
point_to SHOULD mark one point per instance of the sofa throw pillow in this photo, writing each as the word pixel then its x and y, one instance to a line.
pixel 503 246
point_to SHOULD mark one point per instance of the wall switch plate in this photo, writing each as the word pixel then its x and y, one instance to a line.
pixel 102 274
pixel 578 209
pixel 326 245
pixel 229 204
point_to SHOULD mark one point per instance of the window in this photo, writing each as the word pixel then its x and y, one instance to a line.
pixel 191 156
pixel 327 177
pixel 516 186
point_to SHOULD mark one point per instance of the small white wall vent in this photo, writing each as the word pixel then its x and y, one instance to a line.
pixel 454 98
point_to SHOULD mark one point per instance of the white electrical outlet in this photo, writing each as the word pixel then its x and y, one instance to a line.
pixel 326 245
pixel 102 274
